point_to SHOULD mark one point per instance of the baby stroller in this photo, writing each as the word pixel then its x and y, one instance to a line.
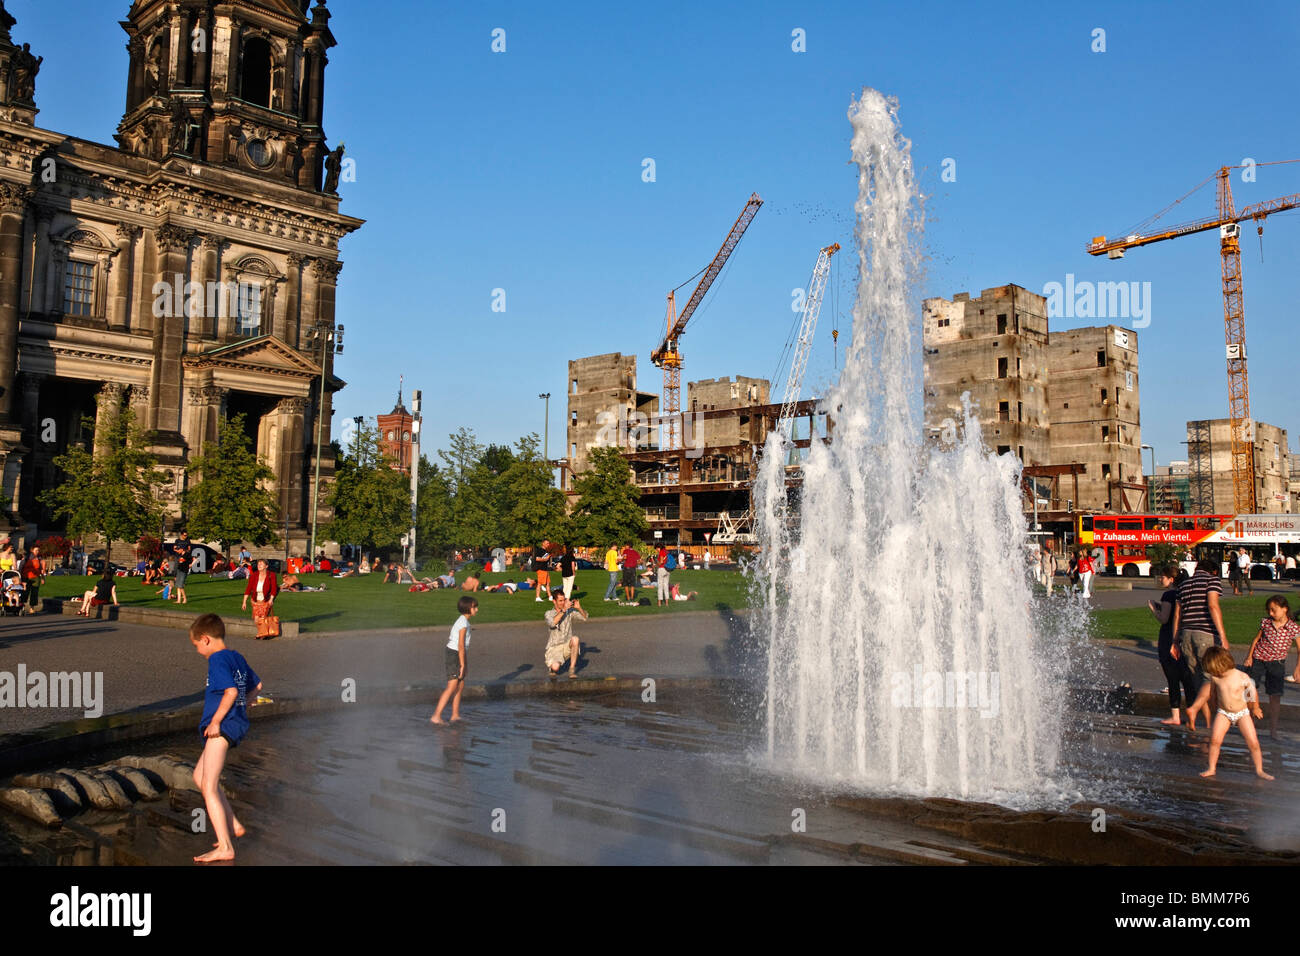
pixel 12 584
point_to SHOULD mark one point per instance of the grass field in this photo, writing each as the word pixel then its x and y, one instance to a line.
pixel 1241 616
pixel 359 603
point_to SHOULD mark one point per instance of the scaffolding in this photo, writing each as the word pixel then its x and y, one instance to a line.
pixel 1200 479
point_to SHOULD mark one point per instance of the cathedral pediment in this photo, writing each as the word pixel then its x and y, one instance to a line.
pixel 265 353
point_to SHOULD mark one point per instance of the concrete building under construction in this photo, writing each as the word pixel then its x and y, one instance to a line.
pixel 686 490
pixel 1209 467
pixel 1065 403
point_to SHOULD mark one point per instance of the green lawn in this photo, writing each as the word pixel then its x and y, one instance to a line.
pixel 358 603
pixel 1241 616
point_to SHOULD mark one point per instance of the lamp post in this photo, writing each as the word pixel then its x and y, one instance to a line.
pixel 357 420
pixel 546 432
pixel 1151 502
pixel 324 336
pixel 415 472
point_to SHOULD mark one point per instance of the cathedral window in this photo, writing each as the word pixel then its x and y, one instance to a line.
pixel 255 77
pixel 79 288
pixel 248 310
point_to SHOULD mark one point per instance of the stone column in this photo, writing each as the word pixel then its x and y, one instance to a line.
pixel 183 21
pixel 22 495
pixel 208 277
pixel 206 406
pixel 139 401
pixel 273 320
pixel 142 282
pixel 44 216
pixel 226 307
pixel 135 75
pixel 201 60
pixel 55 261
pixel 293 458
pixel 169 336
pixel 13 207
pixel 119 312
pixel 108 405
pixel 293 295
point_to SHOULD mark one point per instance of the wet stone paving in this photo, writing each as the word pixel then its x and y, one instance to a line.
pixel 606 778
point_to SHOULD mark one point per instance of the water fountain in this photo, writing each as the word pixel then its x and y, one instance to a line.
pixel 903 650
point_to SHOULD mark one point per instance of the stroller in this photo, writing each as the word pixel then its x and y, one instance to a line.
pixel 12 584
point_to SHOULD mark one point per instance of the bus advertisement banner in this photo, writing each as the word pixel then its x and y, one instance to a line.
pixel 1260 529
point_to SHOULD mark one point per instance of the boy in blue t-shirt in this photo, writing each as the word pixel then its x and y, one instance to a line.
pixel 223 725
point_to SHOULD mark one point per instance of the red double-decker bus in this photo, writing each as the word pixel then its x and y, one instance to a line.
pixel 1123 539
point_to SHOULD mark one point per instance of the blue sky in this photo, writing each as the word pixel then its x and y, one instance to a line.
pixel 522 171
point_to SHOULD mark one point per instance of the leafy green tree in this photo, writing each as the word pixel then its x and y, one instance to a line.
pixel 433 517
pixel 370 498
pixel 533 507
pixel 608 508
pixel 477 521
pixel 116 494
pixel 464 454
pixel 230 502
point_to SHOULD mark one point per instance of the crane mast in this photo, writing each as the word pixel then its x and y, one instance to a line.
pixel 807 329
pixel 1227 221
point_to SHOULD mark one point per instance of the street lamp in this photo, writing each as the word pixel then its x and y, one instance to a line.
pixel 546 431
pixel 325 337
pixel 357 420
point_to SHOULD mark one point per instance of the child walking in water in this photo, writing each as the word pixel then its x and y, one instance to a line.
pixel 1234 689
pixel 223 725
pixel 454 659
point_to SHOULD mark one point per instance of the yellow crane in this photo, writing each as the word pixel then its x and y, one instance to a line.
pixel 1228 223
pixel 667 356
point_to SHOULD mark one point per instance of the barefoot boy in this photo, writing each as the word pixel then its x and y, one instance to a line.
pixel 454 659
pixel 223 725
pixel 1266 658
pixel 1235 689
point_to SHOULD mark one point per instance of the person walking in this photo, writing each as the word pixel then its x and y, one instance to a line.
pixel 611 565
pixel 262 588
pixel 1198 619
pixel 1181 684
pixel 33 573
pixel 1085 571
pixel 184 556
pixel 568 570
pixel 1244 563
pixel 1048 560
pixel 661 577
pixel 542 565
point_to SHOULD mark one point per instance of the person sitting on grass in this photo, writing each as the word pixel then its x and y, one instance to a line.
pixel 679 596
pixel 153 571
pixel 348 570
pixel 104 591
pixel 474 582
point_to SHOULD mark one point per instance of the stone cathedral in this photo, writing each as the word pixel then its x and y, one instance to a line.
pixel 188 272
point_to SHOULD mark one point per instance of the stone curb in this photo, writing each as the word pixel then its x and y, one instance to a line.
pixel 156 617
pixel 57 743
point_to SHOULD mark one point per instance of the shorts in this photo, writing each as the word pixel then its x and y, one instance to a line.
pixel 229 739
pixel 543 578
pixel 451 661
pixel 629 577
pixel 1273 673
pixel 180 578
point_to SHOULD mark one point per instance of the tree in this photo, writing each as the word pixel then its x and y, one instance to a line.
pixel 534 507
pixel 433 516
pixel 229 502
pixel 608 508
pixel 114 494
pixel 465 453
pixel 370 498
pixel 476 509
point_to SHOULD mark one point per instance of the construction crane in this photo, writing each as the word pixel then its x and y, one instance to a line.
pixel 812 305
pixel 667 356
pixel 1234 310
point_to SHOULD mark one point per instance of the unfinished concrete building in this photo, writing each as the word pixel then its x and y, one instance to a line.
pixel 995 348
pixel 684 491
pixel 1093 388
pixel 1209 459
pixel 605 408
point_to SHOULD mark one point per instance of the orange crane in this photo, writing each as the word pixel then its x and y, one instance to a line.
pixel 667 356
pixel 1234 310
